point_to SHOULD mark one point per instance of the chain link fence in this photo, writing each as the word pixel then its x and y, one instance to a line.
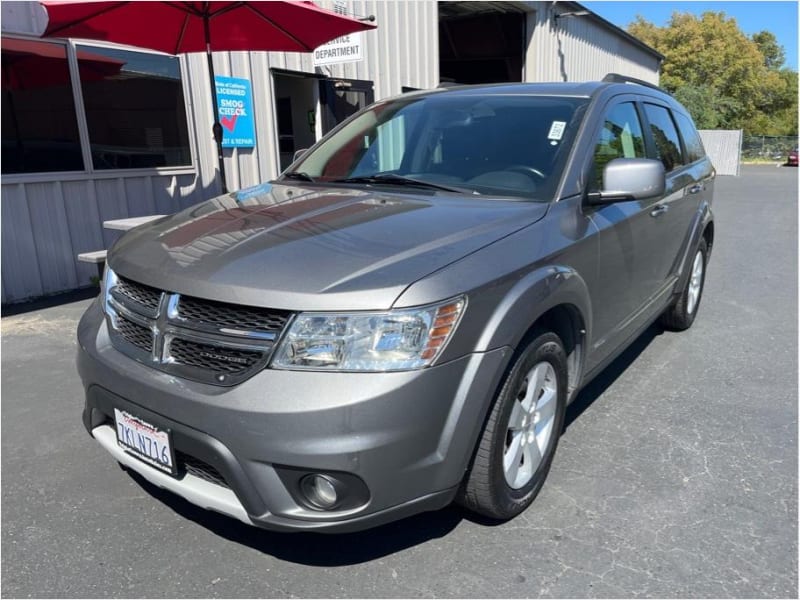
pixel 767 147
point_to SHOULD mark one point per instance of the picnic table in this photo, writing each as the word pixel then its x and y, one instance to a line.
pixel 98 257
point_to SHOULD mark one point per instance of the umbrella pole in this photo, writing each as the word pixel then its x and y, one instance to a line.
pixel 216 128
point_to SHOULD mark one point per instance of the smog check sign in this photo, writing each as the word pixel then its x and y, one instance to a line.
pixel 235 112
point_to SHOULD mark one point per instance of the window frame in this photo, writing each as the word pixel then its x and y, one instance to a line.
pixel 694 130
pixel 651 138
pixel 594 132
pixel 89 172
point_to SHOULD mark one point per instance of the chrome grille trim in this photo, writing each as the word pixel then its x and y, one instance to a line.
pixel 229 318
pixel 144 297
pixel 205 349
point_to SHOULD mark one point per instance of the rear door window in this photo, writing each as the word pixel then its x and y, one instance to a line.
pixel 665 136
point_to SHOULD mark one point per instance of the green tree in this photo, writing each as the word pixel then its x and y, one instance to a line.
pixel 725 79
pixel 773 53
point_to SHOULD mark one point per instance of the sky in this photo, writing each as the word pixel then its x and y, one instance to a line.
pixel 752 16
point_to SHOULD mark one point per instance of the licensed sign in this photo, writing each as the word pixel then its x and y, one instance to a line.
pixel 347 48
pixel 235 111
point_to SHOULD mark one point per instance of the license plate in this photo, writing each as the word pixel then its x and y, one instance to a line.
pixel 145 441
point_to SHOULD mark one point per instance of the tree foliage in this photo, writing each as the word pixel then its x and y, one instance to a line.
pixel 726 79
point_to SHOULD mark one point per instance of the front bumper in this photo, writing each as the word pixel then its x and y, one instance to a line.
pixel 406 438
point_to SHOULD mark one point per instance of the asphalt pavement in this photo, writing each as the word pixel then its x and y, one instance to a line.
pixel 676 475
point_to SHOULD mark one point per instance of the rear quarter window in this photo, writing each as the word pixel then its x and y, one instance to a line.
pixel 691 139
pixel 665 136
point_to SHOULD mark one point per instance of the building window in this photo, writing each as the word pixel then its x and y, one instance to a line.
pixel 133 103
pixel 39 124
pixel 134 109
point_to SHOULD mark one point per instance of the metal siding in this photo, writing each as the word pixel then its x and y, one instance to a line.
pixel 410 34
pixel 51 237
pixel 85 227
pixel 578 49
pixel 138 197
pixel 266 136
pixel 111 204
pixel 724 148
pixel 20 261
pixel 23 16
pixel 163 190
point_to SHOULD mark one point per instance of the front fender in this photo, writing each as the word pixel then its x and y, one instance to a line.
pixel 531 297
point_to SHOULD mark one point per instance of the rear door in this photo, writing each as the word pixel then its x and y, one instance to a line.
pixel 674 212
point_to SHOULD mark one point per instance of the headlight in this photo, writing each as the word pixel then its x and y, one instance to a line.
pixel 109 281
pixel 397 340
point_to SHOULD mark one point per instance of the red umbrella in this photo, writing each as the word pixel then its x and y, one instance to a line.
pixel 178 27
pixel 29 64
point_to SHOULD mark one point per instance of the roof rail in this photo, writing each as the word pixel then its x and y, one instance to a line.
pixel 617 78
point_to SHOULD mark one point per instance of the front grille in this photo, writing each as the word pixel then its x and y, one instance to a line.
pixel 204 340
pixel 139 293
pixel 198 468
pixel 135 334
pixel 219 359
pixel 231 316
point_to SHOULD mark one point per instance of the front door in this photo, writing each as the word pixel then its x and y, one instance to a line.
pixel 341 98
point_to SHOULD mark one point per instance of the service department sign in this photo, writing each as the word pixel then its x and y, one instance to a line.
pixel 344 49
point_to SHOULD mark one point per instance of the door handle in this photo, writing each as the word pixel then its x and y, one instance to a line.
pixel 659 210
pixel 696 189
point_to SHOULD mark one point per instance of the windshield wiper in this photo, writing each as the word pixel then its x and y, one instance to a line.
pixel 301 175
pixel 395 179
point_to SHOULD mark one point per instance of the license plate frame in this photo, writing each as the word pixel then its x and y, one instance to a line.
pixel 145 441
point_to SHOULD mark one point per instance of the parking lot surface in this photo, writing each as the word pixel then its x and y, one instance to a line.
pixel 676 475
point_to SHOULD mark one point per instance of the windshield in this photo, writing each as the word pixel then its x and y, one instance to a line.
pixel 479 143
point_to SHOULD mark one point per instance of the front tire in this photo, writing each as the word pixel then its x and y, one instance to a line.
pixel 680 315
pixel 521 433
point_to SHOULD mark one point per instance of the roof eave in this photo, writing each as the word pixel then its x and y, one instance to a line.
pixel 615 29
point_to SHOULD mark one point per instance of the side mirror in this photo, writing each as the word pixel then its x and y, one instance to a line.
pixel 630 179
pixel 299 153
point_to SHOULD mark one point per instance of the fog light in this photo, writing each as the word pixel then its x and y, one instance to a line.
pixel 320 491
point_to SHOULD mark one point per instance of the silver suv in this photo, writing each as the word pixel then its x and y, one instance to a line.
pixel 400 319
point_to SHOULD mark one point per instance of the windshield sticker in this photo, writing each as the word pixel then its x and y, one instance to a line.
pixel 557 130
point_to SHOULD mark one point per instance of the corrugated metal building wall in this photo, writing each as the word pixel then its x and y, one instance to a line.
pixel 582 47
pixel 724 148
pixel 48 219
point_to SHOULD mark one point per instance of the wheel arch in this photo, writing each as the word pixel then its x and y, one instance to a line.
pixel 708 234
pixel 555 299
pixel 702 228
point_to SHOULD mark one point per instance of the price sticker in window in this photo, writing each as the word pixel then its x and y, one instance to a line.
pixel 557 130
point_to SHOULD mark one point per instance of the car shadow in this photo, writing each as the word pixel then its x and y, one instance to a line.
pixel 10 310
pixel 609 375
pixel 331 550
pixel 317 549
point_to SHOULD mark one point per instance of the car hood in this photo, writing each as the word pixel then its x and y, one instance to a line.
pixel 313 248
